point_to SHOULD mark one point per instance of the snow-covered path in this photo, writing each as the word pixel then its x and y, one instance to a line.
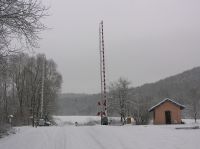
pixel 102 137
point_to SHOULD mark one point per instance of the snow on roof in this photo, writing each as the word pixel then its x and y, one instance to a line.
pixel 167 99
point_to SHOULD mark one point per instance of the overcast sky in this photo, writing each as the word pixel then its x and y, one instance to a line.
pixel 145 40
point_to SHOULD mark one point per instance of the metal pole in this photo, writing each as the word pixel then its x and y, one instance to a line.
pixel 103 72
pixel 103 102
pixel 100 53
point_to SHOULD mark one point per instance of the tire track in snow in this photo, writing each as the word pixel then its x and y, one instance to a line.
pixel 107 138
pixel 96 140
pixel 60 139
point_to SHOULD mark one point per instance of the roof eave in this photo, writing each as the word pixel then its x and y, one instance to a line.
pixel 163 101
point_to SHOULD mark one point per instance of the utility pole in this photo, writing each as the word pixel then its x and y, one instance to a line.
pixel 103 103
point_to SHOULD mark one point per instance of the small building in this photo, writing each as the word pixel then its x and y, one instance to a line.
pixel 167 111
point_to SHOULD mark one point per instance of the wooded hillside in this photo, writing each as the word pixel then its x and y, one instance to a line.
pixel 184 88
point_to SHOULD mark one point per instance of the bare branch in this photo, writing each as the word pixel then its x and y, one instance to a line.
pixel 20 23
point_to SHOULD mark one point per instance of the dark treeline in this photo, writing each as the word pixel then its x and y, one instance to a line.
pixel 20 87
pixel 77 104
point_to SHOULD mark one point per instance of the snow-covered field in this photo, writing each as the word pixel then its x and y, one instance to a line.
pixel 70 120
pixel 66 136
pixel 82 120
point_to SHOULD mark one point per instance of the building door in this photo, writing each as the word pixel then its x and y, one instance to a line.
pixel 167 117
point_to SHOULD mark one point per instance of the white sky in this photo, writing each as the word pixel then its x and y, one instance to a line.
pixel 145 40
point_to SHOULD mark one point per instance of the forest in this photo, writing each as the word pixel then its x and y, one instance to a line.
pixel 20 87
pixel 21 70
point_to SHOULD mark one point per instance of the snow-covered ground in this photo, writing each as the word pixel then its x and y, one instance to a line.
pixel 82 120
pixel 102 137
pixel 70 120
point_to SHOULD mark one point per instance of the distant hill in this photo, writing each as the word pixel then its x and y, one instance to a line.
pixel 178 87
pixel 183 87
pixel 77 104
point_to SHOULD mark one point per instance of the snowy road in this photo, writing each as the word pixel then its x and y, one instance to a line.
pixel 102 137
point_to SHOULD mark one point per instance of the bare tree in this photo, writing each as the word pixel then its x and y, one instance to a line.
pixel 139 108
pixel 20 87
pixel 20 23
pixel 119 100
pixel 195 103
